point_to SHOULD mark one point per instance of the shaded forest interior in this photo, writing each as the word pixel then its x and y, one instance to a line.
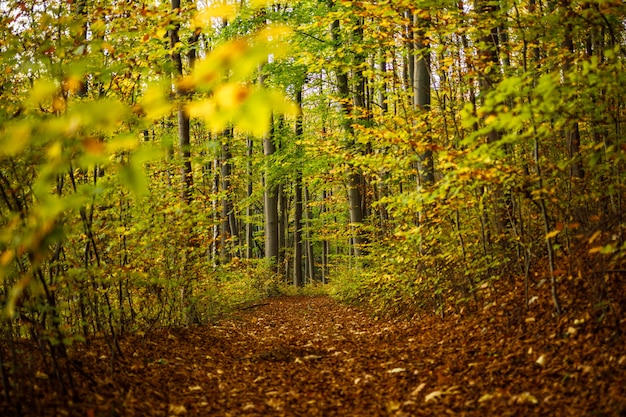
pixel 168 167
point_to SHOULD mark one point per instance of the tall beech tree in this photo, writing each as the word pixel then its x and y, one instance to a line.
pixel 353 108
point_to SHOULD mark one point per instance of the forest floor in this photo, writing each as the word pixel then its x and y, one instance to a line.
pixel 312 356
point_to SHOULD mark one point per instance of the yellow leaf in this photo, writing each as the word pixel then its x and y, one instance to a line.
pixel 108 47
pixel 16 139
pixel 177 409
pixel 541 361
pixel 552 234
pixel 73 83
pixel 7 257
pixel 93 145
pixel 523 398
pixel 231 95
pixel 42 90
pixel 154 103
pixel 593 237
pixel 122 143
pixel 435 395
pixel 274 32
pixel 595 250
pixel 54 150
pixel 261 3
pixel 204 17
pixel 490 119
pixel 204 109
pixel 417 390
pixel 393 406
pixel 485 397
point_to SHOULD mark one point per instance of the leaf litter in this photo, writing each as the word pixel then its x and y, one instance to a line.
pixel 311 356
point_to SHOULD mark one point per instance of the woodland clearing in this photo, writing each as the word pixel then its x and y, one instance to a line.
pixel 310 355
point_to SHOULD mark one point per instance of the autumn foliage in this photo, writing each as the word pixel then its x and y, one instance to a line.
pixel 454 169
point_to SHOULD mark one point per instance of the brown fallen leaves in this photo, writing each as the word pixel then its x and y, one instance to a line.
pixel 309 356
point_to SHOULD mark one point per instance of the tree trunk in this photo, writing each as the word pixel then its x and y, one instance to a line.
pixel 249 211
pixel 354 177
pixel 184 143
pixel 297 233
pixel 229 224
pixel 572 133
pixel 298 279
pixel 270 206
pixel 310 255
pixel 421 99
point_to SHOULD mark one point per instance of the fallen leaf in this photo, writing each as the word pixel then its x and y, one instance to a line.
pixel 176 409
pixel 485 397
pixel 417 390
pixel 541 360
pixel 435 395
pixel 393 406
pixel 523 398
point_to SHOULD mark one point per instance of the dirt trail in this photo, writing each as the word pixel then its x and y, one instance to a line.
pixel 309 356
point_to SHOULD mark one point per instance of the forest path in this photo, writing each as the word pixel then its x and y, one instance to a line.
pixel 311 356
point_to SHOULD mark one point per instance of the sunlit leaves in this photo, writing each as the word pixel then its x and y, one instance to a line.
pixel 42 93
pixel 205 17
pixel 15 138
pixel 248 107
pixel 236 60
pixel 224 76
pixel 154 103
pixel 133 176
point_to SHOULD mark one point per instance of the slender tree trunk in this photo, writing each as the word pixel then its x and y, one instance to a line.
pixel 270 205
pixel 572 132
pixel 215 187
pixel 229 225
pixel 325 242
pixel 354 177
pixel 310 255
pixel 249 208
pixel 283 229
pixel 184 142
pixel 298 279
pixel 421 99
pixel 82 14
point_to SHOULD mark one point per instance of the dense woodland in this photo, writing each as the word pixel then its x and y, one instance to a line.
pixel 163 164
